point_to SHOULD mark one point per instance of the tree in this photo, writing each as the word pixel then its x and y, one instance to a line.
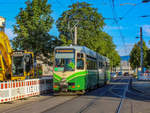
pixel 88 20
pixel 135 55
pixel 90 30
pixel 32 26
pixel 148 58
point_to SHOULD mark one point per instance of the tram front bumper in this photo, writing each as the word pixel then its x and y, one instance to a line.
pixel 63 86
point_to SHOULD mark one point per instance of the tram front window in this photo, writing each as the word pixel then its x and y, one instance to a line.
pixel 80 61
pixel 18 66
pixel 64 64
pixel 80 64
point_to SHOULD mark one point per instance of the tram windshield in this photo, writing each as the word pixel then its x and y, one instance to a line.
pixel 64 64
pixel 64 60
pixel 18 66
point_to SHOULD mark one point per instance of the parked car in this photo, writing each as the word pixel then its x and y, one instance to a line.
pixel 119 73
pixel 113 75
pixel 126 74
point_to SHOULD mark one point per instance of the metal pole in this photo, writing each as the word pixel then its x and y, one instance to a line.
pixel 141 40
pixel 75 28
pixel 75 35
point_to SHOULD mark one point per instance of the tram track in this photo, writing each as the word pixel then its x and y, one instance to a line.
pixel 87 100
pixel 86 107
pixel 18 106
pixel 88 93
pixel 89 104
pixel 131 97
pixel 130 101
pixel 122 99
pixel 116 96
pixel 26 106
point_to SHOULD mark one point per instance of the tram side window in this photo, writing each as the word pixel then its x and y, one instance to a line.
pixel 88 64
pixel 107 64
pixel 80 61
pixel 95 66
pixel 100 65
pixel 91 64
pixel 103 64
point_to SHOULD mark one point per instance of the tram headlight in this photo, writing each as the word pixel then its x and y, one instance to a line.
pixel 72 85
pixel 56 84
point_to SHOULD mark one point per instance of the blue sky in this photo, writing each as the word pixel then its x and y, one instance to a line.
pixel 124 33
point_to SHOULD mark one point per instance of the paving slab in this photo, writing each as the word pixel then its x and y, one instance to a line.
pixel 141 86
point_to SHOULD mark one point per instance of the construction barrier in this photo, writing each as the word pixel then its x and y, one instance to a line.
pixel 13 90
pixel 143 76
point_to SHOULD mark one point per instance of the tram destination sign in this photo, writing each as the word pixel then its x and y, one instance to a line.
pixel 64 50
pixel 64 53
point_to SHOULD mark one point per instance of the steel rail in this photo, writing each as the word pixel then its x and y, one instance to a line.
pixel 123 97
pixel 94 100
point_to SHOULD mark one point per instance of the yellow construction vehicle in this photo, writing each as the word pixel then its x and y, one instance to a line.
pixel 5 53
pixel 22 65
pixel 14 65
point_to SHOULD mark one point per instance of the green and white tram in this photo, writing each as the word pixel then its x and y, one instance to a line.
pixel 77 69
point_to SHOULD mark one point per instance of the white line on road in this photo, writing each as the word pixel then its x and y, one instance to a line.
pixel 122 99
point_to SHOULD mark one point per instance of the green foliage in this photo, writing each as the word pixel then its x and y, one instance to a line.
pixel 148 58
pixel 32 26
pixel 89 30
pixel 135 56
pixel 89 22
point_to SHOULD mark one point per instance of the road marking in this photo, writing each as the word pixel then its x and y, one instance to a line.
pixel 93 101
pixel 123 97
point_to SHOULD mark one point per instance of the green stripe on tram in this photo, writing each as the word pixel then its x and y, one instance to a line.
pixel 83 73
pixel 57 77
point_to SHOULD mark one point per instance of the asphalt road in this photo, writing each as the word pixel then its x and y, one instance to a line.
pixel 102 100
pixel 114 98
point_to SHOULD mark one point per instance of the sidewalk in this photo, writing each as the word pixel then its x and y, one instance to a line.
pixel 141 86
pixel 23 102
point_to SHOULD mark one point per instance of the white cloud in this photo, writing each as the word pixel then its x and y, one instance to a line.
pixel 10 33
pixel 146 30
pixel 112 27
pixel 125 50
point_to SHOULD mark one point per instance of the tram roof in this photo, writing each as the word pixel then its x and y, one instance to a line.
pixel 84 50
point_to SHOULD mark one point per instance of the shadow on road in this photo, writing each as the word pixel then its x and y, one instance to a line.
pixel 115 89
